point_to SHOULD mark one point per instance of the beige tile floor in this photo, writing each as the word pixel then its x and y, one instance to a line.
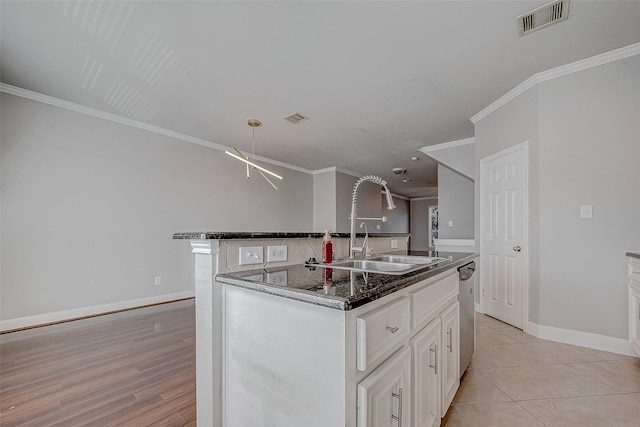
pixel 519 380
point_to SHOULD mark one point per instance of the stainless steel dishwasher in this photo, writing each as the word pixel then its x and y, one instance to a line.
pixel 467 314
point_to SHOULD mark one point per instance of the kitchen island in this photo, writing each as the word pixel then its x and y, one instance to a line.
pixel 289 345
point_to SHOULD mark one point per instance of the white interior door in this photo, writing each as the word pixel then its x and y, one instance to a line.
pixel 503 235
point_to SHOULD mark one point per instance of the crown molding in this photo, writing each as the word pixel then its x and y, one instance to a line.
pixel 325 170
pixel 348 172
pixel 417 199
pixel 82 109
pixel 564 70
pixel 446 145
pixel 397 196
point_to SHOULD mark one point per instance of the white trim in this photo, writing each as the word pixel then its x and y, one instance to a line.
pixel 325 170
pixel 355 174
pixel 455 242
pixel 59 316
pixel 57 102
pixel 523 146
pixel 417 199
pixel 348 172
pixel 582 339
pixel 446 145
pixel 397 196
pixel 477 308
pixel 564 70
pixel 455 245
pixel 532 329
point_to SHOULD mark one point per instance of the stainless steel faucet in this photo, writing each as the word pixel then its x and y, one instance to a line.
pixel 365 242
pixel 353 249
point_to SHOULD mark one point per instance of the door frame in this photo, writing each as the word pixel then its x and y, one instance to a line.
pixel 524 147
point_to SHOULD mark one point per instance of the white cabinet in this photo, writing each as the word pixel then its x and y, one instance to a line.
pixel 384 396
pixel 450 354
pixel 425 349
pixel 634 303
pixel 382 364
pixel 382 331
pixel 435 354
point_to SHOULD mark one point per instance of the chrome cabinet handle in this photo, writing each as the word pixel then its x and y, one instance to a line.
pixel 398 396
pixel 435 353
pixel 450 345
pixel 393 329
pixel 517 248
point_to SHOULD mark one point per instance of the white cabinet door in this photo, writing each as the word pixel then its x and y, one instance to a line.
pixel 384 397
pixel 503 229
pixel 450 354
pixel 425 347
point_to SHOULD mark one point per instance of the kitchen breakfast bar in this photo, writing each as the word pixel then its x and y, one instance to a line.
pixel 293 343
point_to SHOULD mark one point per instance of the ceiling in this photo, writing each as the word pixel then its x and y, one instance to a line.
pixel 379 80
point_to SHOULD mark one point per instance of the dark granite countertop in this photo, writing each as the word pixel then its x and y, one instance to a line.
pixel 345 290
pixel 232 235
pixel 634 254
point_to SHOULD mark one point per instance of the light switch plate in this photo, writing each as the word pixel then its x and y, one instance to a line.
pixel 586 211
pixel 250 255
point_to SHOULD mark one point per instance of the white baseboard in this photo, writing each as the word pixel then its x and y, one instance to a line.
pixel 477 308
pixel 59 316
pixel 582 339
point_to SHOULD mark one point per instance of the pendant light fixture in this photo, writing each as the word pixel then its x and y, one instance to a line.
pixel 252 163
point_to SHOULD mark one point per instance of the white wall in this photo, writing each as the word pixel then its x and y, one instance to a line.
pixel 368 202
pixel 419 222
pixel 583 132
pixel 459 156
pixel 455 203
pixel 324 200
pixel 89 208
pixel 332 195
pixel 589 151
pixel 510 125
pixel 398 218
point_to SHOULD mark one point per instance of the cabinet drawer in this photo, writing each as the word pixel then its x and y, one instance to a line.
pixel 381 332
pixel 428 300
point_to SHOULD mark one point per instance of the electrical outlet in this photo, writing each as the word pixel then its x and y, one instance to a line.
pixel 586 211
pixel 394 244
pixel 250 255
pixel 158 280
pixel 276 253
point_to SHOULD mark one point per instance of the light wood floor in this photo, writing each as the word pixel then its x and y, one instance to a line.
pixel 135 368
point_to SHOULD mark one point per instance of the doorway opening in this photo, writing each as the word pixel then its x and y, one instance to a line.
pixel 433 226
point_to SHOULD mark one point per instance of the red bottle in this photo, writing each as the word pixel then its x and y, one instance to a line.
pixel 327 247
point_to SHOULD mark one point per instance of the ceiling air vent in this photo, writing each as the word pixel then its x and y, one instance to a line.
pixel 543 16
pixel 295 118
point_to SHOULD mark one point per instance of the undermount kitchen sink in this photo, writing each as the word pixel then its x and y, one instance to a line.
pixel 384 264
pixel 408 259
pixel 371 265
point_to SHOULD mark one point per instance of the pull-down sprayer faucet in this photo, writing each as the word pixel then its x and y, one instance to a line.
pixel 353 249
